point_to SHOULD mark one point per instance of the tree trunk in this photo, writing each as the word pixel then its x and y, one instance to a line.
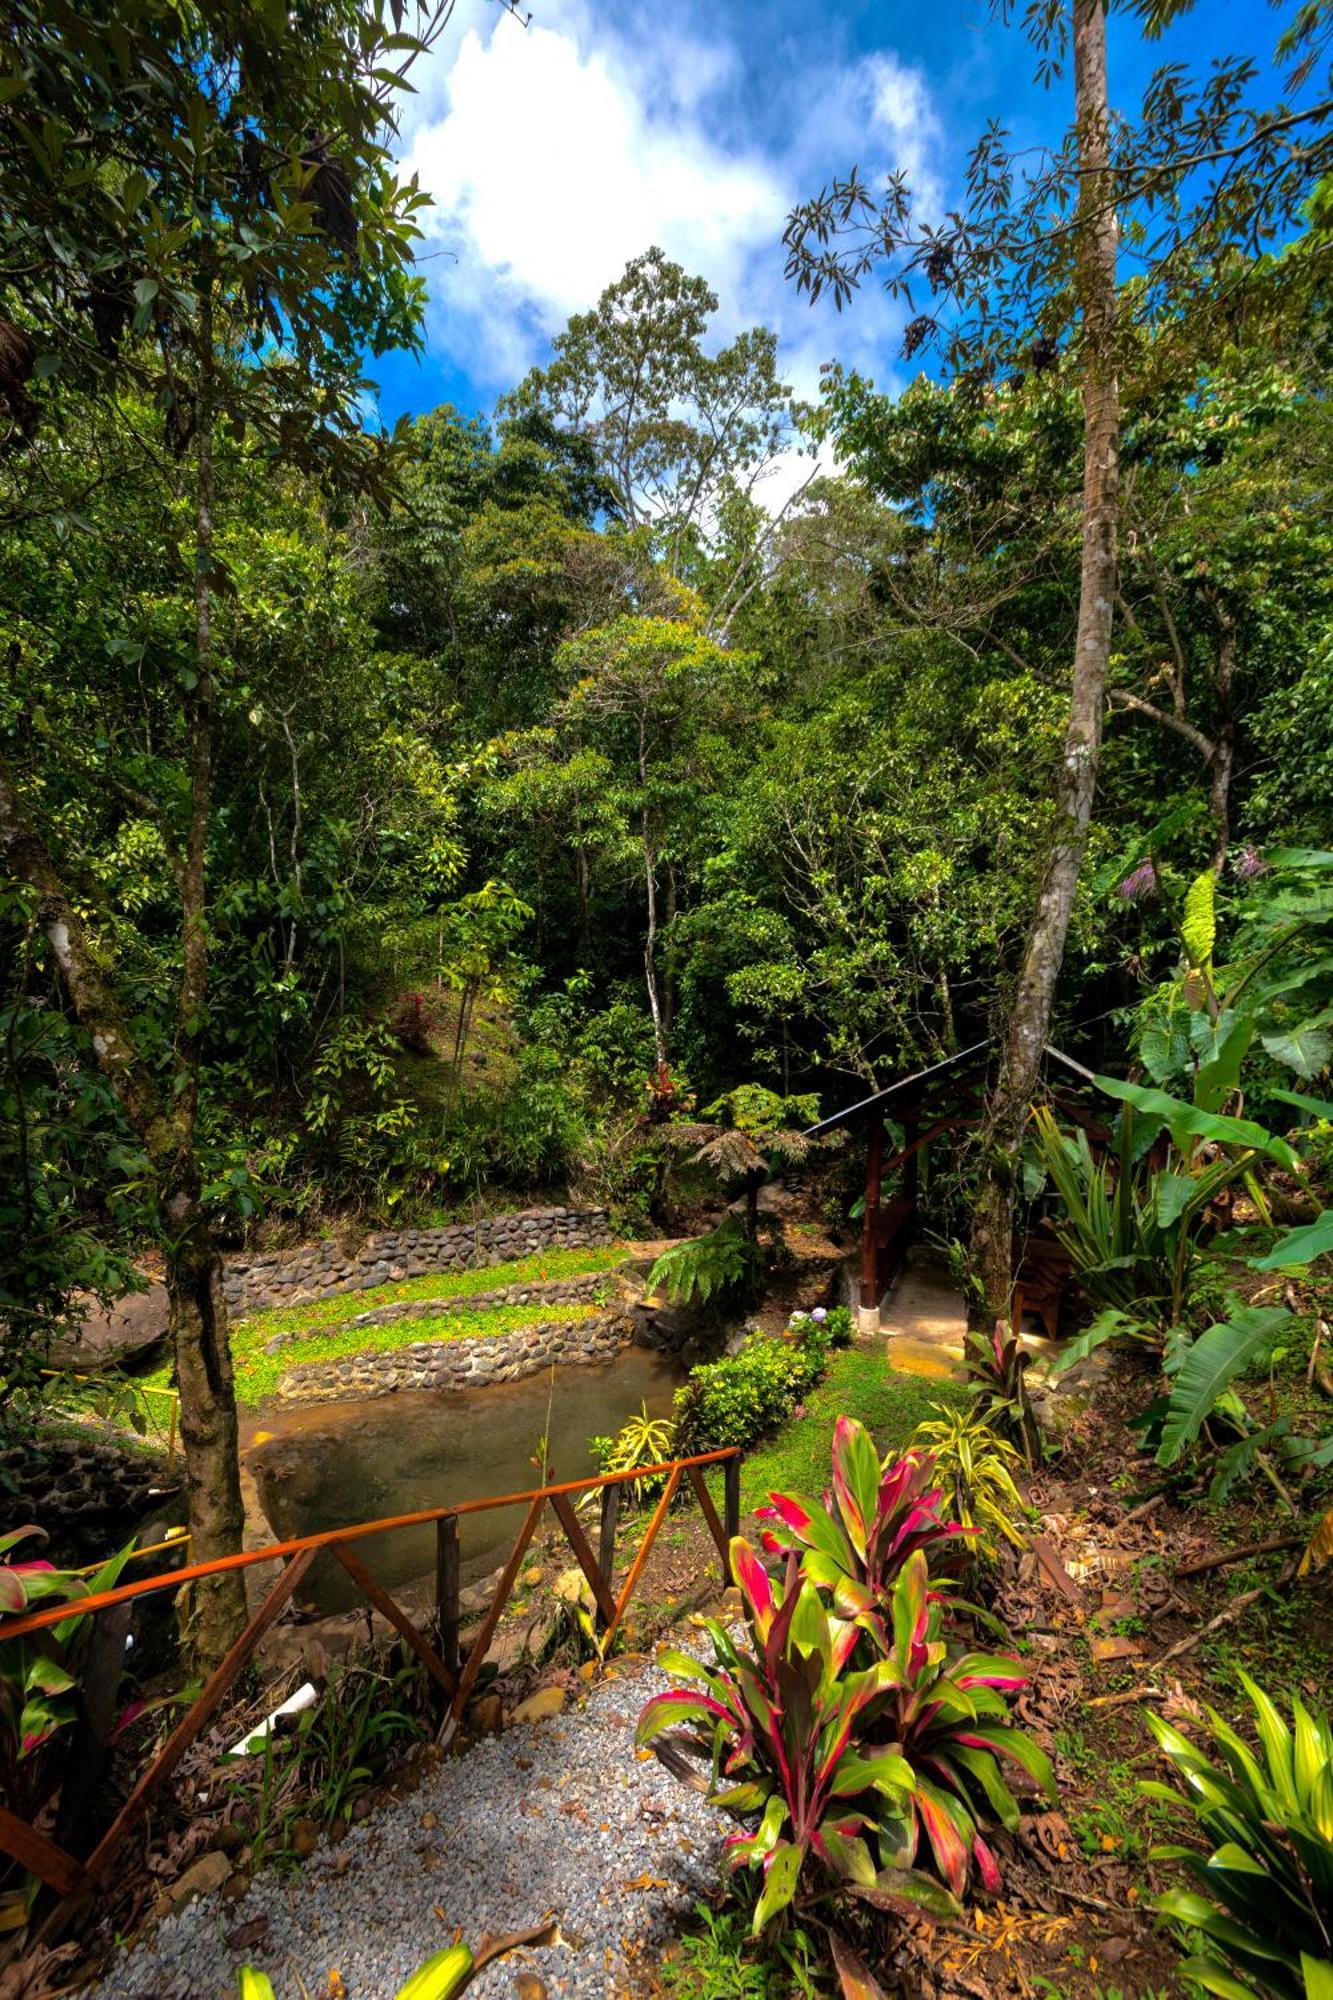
pixel 1030 1010
pixel 202 1352
pixel 1224 744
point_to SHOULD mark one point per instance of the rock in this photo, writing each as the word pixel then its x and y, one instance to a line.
pixel 133 1326
pixel 209 1872
pixel 304 1838
pixel 538 1707
pixel 485 1716
pixel 530 1578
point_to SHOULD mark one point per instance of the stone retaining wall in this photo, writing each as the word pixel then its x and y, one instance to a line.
pixel 86 1489
pixel 585 1290
pixel 325 1270
pixel 460 1364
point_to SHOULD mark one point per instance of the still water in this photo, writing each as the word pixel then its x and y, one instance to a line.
pixel 331 1464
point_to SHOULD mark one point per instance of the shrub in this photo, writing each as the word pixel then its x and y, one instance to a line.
pixel 1265 1911
pixel 976 1467
pixel 835 1320
pixel 872 1521
pixel 643 1440
pixel 736 1400
pixel 873 1781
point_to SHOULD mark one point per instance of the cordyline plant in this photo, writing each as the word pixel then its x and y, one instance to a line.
pixel 871 1521
pixel 39 1678
pixel 847 1779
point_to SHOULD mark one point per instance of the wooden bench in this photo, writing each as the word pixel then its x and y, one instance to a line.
pixel 1041 1272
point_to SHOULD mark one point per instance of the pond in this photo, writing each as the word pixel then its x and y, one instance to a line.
pixel 329 1464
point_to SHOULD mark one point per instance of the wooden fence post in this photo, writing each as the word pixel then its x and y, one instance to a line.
pixel 446 1589
pixel 731 1498
pixel 606 1547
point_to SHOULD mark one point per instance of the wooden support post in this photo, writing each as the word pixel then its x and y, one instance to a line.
pixel 912 1154
pixel 446 1589
pixel 710 1513
pixel 731 1499
pixel 606 1546
pixel 198 1716
pixel 869 1295
pixel 578 1541
pixel 481 1644
pixel 375 1593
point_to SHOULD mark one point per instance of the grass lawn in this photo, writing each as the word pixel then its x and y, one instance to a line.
pixel 545 1264
pixel 858 1384
pixel 259 1375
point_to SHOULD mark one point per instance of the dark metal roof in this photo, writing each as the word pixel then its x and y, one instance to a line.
pixel 924 1076
pixel 921 1076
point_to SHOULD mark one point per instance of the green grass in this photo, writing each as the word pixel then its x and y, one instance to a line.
pixel 436 1285
pixel 858 1384
pixel 258 1374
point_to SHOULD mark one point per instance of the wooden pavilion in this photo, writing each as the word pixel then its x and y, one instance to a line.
pixel 947 1096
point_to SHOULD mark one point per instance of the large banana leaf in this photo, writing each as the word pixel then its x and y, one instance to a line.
pixel 1220 1353
pixel 1188 1121
pixel 1300 1246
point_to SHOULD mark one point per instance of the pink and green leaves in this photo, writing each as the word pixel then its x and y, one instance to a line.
pixel 862 1749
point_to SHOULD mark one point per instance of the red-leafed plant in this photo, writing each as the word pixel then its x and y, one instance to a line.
pixel 787 1733
pixel 871 1521
pixel 39 1676
pixel 874 1781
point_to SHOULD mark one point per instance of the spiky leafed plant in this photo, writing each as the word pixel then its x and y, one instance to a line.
pixel 1263 1901
pixel 873 1781
pixel 856 1541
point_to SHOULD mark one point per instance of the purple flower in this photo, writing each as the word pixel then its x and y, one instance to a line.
pixel 820 1314
pixel 1249 863
pixel 1141 885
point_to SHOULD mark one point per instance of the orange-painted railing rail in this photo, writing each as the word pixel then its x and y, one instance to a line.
pixel 72 1878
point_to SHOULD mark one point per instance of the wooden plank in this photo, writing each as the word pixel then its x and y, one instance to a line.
pixel 198 1716
pixel 1055 1570
pixel 33 1851
pixel 645 1549
pixel 731 1496
pixel 98 1706
pixel 173 1579
pixel 587 1562
pixel 870 1220
pixel 447 1589
pixel 711 1516
pixel 370 1587
pixel 481 1644
pixel 606 1547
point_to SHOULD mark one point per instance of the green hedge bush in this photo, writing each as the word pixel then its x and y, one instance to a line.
pixel 736 1400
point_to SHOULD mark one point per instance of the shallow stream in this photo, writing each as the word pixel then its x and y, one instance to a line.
pixel 327 1465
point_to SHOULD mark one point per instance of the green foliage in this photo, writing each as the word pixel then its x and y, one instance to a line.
pixel 1204 1370
pixel 977 1468
pixel 1262 1889
pixel 870 1781
pixel 338 1749
pixel 708 1269
pixel 736 1400
pixel 39 1682
pixel 721 1960
pixel 641 1440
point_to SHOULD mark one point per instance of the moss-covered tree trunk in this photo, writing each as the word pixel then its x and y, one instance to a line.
pixel 1029 1013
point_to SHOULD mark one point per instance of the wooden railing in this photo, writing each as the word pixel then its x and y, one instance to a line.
pixel 72 1877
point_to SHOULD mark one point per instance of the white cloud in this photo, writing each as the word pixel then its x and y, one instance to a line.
pixel 557 152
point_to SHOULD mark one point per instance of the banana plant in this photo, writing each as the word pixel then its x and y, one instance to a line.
pixel 1262 1900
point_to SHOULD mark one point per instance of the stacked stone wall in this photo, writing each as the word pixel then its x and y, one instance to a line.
pixel 256 1283
pixel 460 1364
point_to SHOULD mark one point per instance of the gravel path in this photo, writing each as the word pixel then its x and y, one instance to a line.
pixel 556 1815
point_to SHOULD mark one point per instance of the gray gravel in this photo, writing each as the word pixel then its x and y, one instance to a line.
pixel 556 1815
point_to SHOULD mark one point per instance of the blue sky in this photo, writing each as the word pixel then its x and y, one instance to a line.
pixel 556 152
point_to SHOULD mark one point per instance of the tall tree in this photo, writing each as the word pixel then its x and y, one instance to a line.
pixel 1015 275
pixel 228 238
